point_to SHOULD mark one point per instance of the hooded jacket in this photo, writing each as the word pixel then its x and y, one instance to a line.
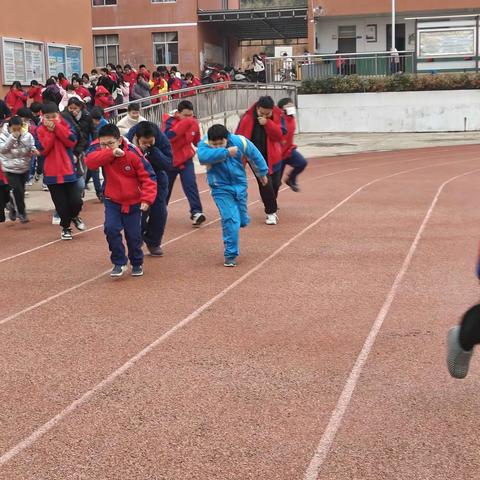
pixel 15 153
pixel 182 133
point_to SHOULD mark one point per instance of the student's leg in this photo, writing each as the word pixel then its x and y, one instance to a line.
pixel 96 182
pixel 155 220
pixel 172 176
pixel 3 201
pixel 113 231
pixel 132 226
pixel 268 196
pixel 189 185
pixel 17 184
pixel 298 162
pixel 61 200
pixel 33 167
pixel 470 328
pixel 74 194
pixel 242 205
pixel 276 181
pixel 230 215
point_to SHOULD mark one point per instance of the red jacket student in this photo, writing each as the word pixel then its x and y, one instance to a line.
pixel 182 133
pixel 129 180
pixel 57 149
pixel 103 99
pixel 16 98
pixel 274 129
pixel 35 92
pixel 130 76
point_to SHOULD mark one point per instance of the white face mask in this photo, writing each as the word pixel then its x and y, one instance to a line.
pixel 291 111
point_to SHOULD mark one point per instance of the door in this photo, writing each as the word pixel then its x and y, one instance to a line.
pixel 400 42
pixel 347 39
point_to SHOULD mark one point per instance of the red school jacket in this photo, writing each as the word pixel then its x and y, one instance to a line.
pixel 129 180
pixel 131 78
pixel 103 99
pixel 16 99
pixel 35 93
pixel 287 143
pixel 275 130
pixel 57 149
pixel 182 133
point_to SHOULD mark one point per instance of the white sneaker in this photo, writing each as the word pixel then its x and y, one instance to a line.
pixel 56 219
pixel 272 219
pixel 29 183
pixel 44 188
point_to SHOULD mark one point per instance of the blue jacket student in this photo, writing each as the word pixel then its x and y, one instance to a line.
pixel 157 150
pixel 228 181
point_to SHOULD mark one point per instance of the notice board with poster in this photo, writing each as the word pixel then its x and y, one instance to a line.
pixel 447 42
pixel 22 60
pixel 64 59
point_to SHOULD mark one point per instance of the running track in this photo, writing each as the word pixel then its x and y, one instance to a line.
pixel 320 356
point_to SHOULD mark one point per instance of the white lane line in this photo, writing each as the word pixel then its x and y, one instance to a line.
pixel 96 277
pixel 46 427
pixel 39 247
pixel 344 400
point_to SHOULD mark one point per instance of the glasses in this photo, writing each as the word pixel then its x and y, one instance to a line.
pixel 108 144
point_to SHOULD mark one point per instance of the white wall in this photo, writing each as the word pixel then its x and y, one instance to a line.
pixel 437 111
pixel 327 33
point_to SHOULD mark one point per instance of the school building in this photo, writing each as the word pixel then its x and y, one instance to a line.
pixel 39 39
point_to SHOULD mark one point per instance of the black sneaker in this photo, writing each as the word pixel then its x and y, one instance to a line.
pixel 12 212
pixel 66 234
pixel 198 219
pixel 118 270
pixel 137 270
pixel 78 222
pixel 155 251
pixel 23 218
pixel 229 262
pixel 292 185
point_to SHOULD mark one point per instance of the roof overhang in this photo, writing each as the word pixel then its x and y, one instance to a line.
pixel 264 24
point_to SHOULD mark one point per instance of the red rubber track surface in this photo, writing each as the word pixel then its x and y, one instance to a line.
pixel 248 386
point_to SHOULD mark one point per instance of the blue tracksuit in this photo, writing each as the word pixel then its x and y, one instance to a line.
pixel 228 182
pixel 161 158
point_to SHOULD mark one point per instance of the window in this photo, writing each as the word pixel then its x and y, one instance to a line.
pixel 106 49
pixel 347 32
pixel 65 59
pixel 23 61
pixel 103 3
pixel 164 1
pixel 165 48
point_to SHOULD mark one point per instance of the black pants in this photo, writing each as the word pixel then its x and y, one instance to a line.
pixel 4 198
pixel 67 199
pixel 470 328
pixel 269 192
pixel 17 184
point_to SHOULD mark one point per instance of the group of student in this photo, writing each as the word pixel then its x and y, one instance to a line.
pixel 140 162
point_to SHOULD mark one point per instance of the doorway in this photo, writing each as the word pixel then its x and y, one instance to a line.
pixel 400 41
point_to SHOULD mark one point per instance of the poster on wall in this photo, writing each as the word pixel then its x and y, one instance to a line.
pixel 74 61
pixel 371 33
pixel 34 62
pixel 13 61
pixel 56 60
pixel 444 42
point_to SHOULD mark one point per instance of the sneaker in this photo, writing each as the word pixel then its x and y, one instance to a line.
pixel 23 218
pixel 12 212
pixel 458 360
pixel 155 251
pixel 44 188
pixel 272 219
pixel 79 225
pixel 137 270
pixel 27 194
pixel 36 178
pixel 56 219
pixel 100 197
pixel 229 262
pixel 30 183
pixel 118 270
pixel 66 234
pixel 292 185
pixel 198 218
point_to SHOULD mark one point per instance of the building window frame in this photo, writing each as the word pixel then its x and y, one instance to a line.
pixel 160 2
pixel 167 50
pixel 41 77
pixel 104 4
pixel 105 45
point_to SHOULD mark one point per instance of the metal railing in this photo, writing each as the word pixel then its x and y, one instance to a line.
pixel 213 102
pixel 291 69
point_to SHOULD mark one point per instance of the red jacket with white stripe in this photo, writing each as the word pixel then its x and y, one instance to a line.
pixel 182 133
pixel 129 180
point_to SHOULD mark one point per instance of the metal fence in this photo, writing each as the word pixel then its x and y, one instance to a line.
pixel 291 69
pixel 215 102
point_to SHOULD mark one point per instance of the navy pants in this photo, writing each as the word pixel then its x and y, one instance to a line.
pixel 154 221
pixel 95 176
pixel 131 224
pixel 189 185
pixel 232 204
pixel 298 162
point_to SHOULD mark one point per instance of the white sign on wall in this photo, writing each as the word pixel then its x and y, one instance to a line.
pixel 445 42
